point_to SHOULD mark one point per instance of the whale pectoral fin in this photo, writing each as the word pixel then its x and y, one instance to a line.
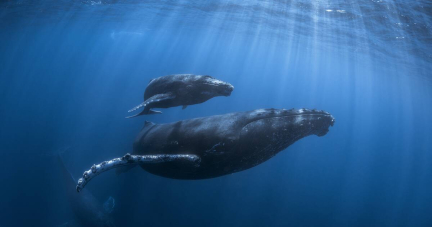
pixel 143 112
pixel 158 98
pixel 154 99
pixel 133 160
pixel 184 107
pixel 154 112
pixel 137 107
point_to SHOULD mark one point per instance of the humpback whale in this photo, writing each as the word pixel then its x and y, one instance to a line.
pixel 214 146
pixel 87 209
pixel 180 90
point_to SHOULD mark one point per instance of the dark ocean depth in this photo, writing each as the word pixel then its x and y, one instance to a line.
pixel 70 71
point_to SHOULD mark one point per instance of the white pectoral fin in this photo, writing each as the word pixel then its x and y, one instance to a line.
pixel 137 107
pixel 154 112
pixel 145 111
pixel 133 160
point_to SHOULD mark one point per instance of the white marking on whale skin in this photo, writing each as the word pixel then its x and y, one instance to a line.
pixel 299 119
pixel 217 82
pixel 213 149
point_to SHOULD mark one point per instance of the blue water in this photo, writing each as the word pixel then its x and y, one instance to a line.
pixel 70 70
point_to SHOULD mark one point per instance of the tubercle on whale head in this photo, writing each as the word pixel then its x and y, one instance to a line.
pixel 319 119
pixel 308 121
pixel 228 88
pixel 221 88
pixel 268 131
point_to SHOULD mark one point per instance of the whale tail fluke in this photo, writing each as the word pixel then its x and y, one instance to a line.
pixel 109 205
pixel 64 170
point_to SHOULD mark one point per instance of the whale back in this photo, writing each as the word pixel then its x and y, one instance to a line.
pixel 170 83
pixel 188 136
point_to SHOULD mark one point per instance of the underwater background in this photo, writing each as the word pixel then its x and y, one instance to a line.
pixel 70 70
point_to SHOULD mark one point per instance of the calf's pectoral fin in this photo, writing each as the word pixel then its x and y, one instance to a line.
pixel 145 111
pixel 137 107
pixel 133 160
pixel 154 112
pixel 154 99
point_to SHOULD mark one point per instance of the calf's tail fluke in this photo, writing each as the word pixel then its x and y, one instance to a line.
pixel 129 159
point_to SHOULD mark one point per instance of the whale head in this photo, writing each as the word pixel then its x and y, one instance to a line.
pixel 282 122
pixel 216 87
pixel 269 131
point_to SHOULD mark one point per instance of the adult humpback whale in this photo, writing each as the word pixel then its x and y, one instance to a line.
pixel 214 146
pixel 87 209
pixel 180 90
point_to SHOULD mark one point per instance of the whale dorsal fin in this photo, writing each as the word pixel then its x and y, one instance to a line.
pixel 148 123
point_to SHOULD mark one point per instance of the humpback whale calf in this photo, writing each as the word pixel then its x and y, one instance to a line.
pixel 180 90
pixel 214 146
pixel 87 209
